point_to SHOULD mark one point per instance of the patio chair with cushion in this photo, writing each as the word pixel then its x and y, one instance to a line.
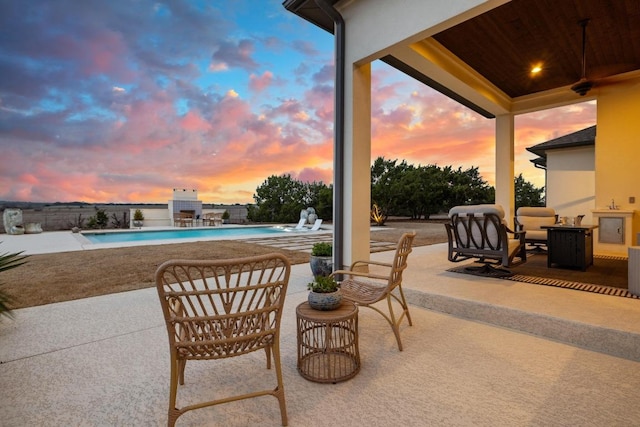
pixel 531 219
pixel 366 288
pixel 220 309
pixel 480 232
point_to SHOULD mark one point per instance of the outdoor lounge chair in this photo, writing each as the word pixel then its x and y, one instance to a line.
pixel 315 227
pixel 480 232
pixel 366 289
pixel 298 226
pixel 220 309
pixel 531 219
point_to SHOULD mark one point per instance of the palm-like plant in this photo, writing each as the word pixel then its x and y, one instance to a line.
pixel 7 262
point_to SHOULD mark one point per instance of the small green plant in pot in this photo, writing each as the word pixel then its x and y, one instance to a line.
pixel 138 217
pixel 325 293
pixel 321 261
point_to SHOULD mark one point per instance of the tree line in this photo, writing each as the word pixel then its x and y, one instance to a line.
pixel 397 189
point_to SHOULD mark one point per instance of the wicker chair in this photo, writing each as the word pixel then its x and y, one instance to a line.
pixel 220 309
pixel 182 219
pixel 212 219
pixel 366 289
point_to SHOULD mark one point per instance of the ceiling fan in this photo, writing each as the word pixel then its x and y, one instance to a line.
pixel 583 85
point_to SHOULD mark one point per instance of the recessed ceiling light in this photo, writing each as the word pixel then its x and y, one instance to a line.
pixel 536 69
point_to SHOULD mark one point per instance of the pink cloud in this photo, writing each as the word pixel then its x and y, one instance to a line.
pixel 313 175
pixel 260 83
pixel 230 55
pixel 193 121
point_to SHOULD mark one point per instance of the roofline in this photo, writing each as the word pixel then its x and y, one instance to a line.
pixel 422 78
pixel 294 6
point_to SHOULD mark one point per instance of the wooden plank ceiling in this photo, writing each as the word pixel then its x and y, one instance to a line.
pixel 503 44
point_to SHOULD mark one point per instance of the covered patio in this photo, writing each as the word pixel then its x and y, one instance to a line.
pixel 482 54
pixel 482 351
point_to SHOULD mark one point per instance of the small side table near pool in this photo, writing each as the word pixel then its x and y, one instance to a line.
pixel 328 343
pixel 570 246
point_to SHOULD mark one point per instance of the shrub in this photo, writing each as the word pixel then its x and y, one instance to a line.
pixel 322 249
pixel 138 215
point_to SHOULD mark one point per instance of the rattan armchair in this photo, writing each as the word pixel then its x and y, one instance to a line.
pixel 365 288
pixel 220 309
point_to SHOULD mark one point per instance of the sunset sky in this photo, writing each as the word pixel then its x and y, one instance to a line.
pixel 123 100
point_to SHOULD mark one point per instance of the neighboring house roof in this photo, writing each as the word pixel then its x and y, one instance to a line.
pixel 576 139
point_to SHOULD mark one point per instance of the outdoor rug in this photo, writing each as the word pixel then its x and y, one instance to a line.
pixel 607 275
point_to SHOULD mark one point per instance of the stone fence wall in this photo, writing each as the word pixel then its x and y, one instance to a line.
pixel 64 217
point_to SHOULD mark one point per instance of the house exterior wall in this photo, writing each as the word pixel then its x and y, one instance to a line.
pixel 571 181
pixel 617 152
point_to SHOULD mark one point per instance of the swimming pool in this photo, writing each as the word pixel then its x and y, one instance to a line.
pixel 142 235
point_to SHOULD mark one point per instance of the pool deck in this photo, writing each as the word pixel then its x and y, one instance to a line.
pixel 481 352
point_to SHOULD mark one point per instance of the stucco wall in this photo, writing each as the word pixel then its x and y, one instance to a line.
pixel 617 152
pixel 571 181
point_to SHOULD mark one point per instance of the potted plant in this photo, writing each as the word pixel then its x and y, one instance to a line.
pixel 321 260
pixel 325 293
pixel 138 217
pixel 225 217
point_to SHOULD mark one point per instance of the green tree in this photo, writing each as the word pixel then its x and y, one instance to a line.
pixel 278 199
pixel 281 198
pixel 99 220
pixel 466 188
pixel 527 194
pixel 324 203
pixel 386 186
pixel 426 190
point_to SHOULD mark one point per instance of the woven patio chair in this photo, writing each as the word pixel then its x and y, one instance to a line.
pixel 220 309
pixel 182 219
pixel 365 288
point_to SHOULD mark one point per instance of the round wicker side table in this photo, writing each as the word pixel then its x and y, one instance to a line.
pixel 328 343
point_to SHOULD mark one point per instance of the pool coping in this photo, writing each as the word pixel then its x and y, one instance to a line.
pixel 67 241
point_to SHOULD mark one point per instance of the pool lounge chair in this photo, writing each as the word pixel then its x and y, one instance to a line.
pixel 299 226
pixel 316 226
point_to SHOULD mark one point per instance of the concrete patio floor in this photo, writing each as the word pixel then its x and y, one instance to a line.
pixel 482 352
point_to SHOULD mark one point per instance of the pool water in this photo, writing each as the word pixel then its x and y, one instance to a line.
pixel 138 236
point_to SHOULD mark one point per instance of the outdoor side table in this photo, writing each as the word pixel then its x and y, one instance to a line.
pixel 328 343
pixel 570 246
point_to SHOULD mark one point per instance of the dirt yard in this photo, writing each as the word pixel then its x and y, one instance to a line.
pixel 66 276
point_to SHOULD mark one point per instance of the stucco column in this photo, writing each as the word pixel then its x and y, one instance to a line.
pixel 505 192
pixel 357 158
